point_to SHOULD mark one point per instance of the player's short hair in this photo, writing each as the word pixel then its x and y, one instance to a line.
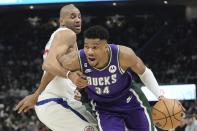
pixel 95 32
pixel 65 8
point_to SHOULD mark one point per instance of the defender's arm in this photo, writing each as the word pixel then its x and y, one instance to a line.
pixel 62 41
pixel 30 101
pixel 70 61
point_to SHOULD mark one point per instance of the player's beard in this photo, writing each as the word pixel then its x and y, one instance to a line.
pixel 92 63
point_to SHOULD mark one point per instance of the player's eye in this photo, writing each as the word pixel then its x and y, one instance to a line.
pixel 94 47
pixel 73 16
pixel 79 16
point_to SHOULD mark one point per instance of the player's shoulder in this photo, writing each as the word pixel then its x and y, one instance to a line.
pixel 64 31
pixel 124 49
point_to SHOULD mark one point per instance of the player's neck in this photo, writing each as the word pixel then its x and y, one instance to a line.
pixel 105 60
pixel 63 26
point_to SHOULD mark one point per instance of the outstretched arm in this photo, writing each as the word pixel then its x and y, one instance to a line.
pixel 128 59
pixel 30 101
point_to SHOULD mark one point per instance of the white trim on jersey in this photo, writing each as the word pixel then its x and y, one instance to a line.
pixel 99 121
pixel 118 55
pixel 109 62
pixel 145 110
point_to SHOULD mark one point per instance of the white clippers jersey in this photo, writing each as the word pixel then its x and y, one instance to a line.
pixel 59 87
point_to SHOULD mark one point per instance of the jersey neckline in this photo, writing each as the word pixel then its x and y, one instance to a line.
pixel 110 51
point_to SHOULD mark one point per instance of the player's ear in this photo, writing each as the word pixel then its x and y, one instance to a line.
pixel 61 21
pixel 106 45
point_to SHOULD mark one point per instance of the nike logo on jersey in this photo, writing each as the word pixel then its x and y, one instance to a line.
pixel 129 99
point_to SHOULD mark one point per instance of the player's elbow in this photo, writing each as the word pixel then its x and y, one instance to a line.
pixel 64 61
pixel 60 59
pixel 46 66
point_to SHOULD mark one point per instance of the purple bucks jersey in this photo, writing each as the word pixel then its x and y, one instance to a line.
pixel 109 84
pixel 116 102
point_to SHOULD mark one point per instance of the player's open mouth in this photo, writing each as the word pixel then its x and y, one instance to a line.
pixel 92 59
pixel 78 27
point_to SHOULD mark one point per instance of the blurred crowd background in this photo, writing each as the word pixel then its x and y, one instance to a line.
pixel 164 36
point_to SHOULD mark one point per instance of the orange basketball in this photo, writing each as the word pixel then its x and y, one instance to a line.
pixel 167 114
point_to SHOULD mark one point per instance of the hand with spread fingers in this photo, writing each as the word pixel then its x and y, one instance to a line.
pixel 78 78
pixel 26 103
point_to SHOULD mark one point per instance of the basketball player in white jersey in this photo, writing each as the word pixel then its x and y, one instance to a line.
pixel 54 98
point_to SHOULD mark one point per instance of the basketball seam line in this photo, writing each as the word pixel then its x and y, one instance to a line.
pixel 163 114
pixel 167 116
pixel 168 112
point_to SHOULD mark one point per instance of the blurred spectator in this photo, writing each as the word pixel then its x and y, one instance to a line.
pixel 191 123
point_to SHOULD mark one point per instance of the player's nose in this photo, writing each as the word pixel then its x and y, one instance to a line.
pixel 78 20
pixel 90 51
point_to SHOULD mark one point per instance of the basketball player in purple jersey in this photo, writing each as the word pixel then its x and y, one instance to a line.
pixel 109 69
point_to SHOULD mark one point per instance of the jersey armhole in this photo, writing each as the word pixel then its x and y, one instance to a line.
pixel 118 55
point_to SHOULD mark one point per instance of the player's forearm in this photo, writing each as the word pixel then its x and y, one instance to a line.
pixel 46 78
pixel 150 82
pixel 69 61
pixel 54 69
pixel 66 64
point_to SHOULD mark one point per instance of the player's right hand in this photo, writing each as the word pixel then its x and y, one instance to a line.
pixel 78 78
pixel 26 103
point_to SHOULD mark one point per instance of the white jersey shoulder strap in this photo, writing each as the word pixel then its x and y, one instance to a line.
pixel 48 45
